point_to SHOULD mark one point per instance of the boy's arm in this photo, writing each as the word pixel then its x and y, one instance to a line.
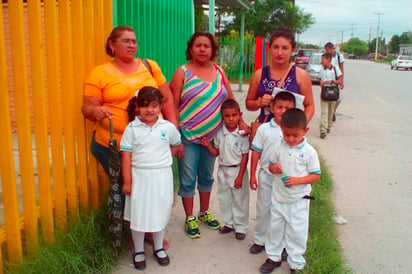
pixel 206 142
pixel 339 81
pixel 309 179
pixel 242 169
pixel 127 172
pixel 253 166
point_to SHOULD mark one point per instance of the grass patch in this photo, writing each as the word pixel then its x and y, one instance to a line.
pixel 323 252
pixel 87 248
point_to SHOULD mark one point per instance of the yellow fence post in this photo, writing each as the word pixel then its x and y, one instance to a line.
pixel 66 59
pixel 23 123
pixel 40 120
pixel 8 174
pixel 55 113
pixel 79 30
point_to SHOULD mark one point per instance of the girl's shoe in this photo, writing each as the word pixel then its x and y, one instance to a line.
pixel 163 261
pixel 139 265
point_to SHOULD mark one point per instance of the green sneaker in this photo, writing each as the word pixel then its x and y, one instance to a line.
pixel 208 219
pixel 191 227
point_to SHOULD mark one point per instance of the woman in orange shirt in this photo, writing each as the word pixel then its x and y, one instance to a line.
pixel 108 88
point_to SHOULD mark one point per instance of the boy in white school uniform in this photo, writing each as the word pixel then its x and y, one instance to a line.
pixel 268 137
pixel 232 150
pixel 329 75
pixel 296 165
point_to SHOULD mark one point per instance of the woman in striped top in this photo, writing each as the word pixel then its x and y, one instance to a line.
pixel 199 88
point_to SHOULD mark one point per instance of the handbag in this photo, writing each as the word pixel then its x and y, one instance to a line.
pixel 256 124
pixel 330 92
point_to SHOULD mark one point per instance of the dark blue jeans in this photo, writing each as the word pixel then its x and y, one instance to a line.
pixel 101 153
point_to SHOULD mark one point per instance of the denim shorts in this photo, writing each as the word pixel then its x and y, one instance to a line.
pixel 197 165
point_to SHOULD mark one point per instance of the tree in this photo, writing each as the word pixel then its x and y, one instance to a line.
pixel 355 46
pixel 396 40
pixel 267 15
pixel 382 46
pixel 201 19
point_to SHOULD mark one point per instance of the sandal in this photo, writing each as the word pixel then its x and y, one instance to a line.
pixel 139 265
pixel 162 261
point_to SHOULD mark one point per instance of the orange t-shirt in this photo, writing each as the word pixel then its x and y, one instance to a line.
pixel 115 88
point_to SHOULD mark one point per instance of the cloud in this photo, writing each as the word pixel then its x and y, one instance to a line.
pixel 357 17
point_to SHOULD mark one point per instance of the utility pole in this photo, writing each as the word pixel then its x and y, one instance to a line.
pixel 377 34
pixel 341 40
pixel 352 29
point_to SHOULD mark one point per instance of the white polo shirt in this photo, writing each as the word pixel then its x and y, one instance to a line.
pixel 329 74
pixel 150 147
pixel 268 137
pixel 231 146
pixel 296 161
pixel 337 59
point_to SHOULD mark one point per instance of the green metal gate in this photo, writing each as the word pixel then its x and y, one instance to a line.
pixel 229 52
pixel 162 27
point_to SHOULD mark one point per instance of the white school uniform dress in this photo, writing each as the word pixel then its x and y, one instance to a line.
pixel 233 203
pixel 149 206
pixel 289 223
pixel 268 137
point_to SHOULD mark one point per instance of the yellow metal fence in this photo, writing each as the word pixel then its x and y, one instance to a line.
pixel 46 175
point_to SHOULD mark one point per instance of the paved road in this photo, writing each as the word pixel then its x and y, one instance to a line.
pixel 369 155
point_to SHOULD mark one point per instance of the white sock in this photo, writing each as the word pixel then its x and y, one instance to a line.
pixel 158 242
pixel 138 240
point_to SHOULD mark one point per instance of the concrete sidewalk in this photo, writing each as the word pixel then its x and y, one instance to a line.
pixel 213 252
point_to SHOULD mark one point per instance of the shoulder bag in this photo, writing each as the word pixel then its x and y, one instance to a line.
pixel 330 92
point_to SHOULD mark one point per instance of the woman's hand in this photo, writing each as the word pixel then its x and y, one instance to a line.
pixel 245 127
pixel 101 113
pixel 265 100
pixel 94 110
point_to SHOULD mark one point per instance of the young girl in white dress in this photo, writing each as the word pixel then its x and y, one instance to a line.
pixel 147 174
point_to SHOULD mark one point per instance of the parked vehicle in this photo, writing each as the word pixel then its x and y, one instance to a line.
pixel 371 56
pixel 303 56
pixel 402 61
pixel 314 67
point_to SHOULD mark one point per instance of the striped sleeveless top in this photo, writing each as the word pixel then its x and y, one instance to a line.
pixel 200 103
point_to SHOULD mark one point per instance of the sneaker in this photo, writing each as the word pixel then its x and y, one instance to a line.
pixel 208 219
pixel 240 236
pixel 191 227
pixel 269 266
pixel 322 135
pixel 256 249
pixel 225 229
pixel 328 130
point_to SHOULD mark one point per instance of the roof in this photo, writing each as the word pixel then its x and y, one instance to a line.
pixel 227 3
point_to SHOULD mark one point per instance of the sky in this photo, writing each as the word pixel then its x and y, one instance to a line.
pixel 355 18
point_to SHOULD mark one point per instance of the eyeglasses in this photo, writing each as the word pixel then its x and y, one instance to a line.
pixel 128 41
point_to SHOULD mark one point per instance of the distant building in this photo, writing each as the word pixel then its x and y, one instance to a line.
pixel 405 49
